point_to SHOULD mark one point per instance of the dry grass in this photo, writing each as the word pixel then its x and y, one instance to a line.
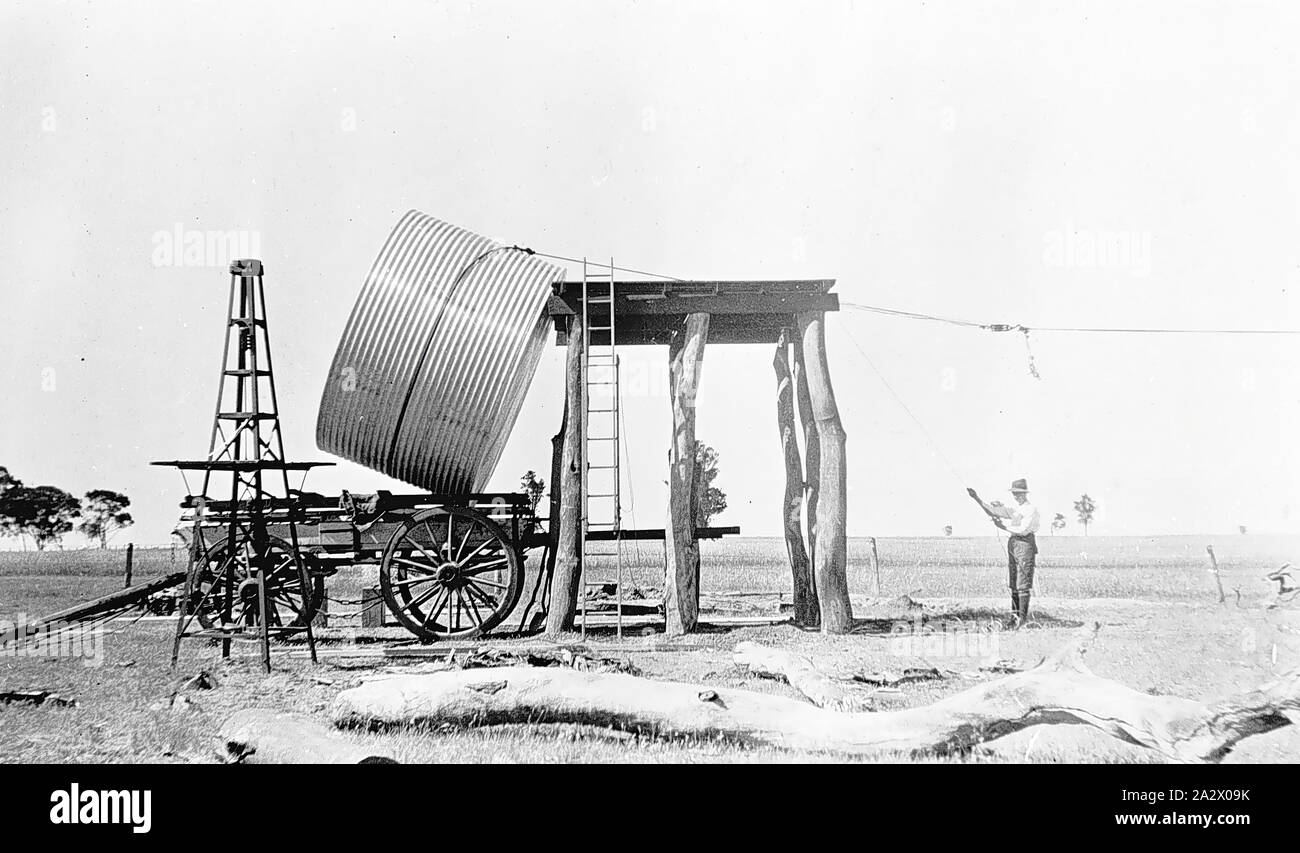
pixel 1163 632
pixel 91 562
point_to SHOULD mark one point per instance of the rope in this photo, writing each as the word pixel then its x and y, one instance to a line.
pixel 912 315
pixel 1029 352
pixel 952 469
pixel 898 399
pixel 579 260
pixel 631 495
pixel 1018 327
pixel 970 324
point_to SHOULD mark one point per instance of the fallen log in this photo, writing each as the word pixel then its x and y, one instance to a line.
pixel 801 674
pixel 263 736
pixel 1060 690
pixel 36 697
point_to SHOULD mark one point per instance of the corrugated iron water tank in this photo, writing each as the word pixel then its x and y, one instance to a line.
pixel 441 347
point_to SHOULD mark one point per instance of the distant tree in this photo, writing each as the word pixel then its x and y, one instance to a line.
pixel 43 512
pixel 103 513
pixel 1058 523
pixel 533 487
pixel 1086 507
pixel 9 488
pixel 1241 528
pixel 709 499
pixel 947 530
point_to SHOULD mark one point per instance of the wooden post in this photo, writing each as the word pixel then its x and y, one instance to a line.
pixel 805 596
pixel 553 514
pixel 830 563
pixel 373 608
pixel 682 574
pixel 130 552
pixel 812 453
pixel 1214 567
pixel 564 584
pixel 875 564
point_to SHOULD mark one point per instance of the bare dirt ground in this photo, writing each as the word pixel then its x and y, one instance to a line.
pixel 1181 643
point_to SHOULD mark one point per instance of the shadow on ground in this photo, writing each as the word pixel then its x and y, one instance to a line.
pixel 977 618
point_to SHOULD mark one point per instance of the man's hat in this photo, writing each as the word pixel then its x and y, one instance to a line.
pixel 1019 486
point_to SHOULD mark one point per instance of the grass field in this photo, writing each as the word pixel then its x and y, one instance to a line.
pixel 1164 631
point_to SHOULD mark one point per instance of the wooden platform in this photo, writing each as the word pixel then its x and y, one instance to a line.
pixel 650 312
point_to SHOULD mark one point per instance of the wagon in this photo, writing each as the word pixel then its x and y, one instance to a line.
pixel 451 566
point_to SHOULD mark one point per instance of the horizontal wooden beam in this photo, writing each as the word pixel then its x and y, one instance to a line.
pixel 658 533
pixel 723 329
pixel 632 304
pixel 650 313
pixel 642 288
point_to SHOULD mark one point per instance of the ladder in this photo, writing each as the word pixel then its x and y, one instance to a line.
pixel 601 505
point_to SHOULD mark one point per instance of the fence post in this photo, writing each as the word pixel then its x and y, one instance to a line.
pixel 1214 567
pixel 875 564
pixel 130 553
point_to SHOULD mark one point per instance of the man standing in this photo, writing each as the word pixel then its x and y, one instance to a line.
pixel 1021 522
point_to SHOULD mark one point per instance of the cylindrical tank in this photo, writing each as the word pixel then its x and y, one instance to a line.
pixel 437 356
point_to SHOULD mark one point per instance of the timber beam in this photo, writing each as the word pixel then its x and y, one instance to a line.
pixel 648 313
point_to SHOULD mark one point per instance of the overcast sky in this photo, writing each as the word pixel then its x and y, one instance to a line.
pixel 960 159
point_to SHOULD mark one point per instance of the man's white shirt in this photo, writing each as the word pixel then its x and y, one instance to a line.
pixel 1023 519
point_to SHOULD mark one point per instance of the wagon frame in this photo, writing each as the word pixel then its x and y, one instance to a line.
pixel 451 566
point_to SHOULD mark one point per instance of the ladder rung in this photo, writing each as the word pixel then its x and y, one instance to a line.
pixel 602 495
pixel 599 328
pixel 602 467
pixel 246 371
pixel 592 438
pixel 598 411
pixel 246 416
pixel 246 321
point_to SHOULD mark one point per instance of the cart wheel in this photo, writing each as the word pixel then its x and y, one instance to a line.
pixel 227 578
pixel 450 573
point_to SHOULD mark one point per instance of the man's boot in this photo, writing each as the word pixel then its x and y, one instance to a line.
pixel 1022 617
pixel 1015 605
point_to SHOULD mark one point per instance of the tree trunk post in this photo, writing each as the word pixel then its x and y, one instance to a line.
pixel 682 572
pixel 830 563
pixel 565 582
pixel 805 596
pixel 812 454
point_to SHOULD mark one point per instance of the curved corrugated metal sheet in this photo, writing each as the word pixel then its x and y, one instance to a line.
pixel 437 356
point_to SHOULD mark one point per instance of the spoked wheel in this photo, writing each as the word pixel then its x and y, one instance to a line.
pixel 229 579
pixel 450 573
